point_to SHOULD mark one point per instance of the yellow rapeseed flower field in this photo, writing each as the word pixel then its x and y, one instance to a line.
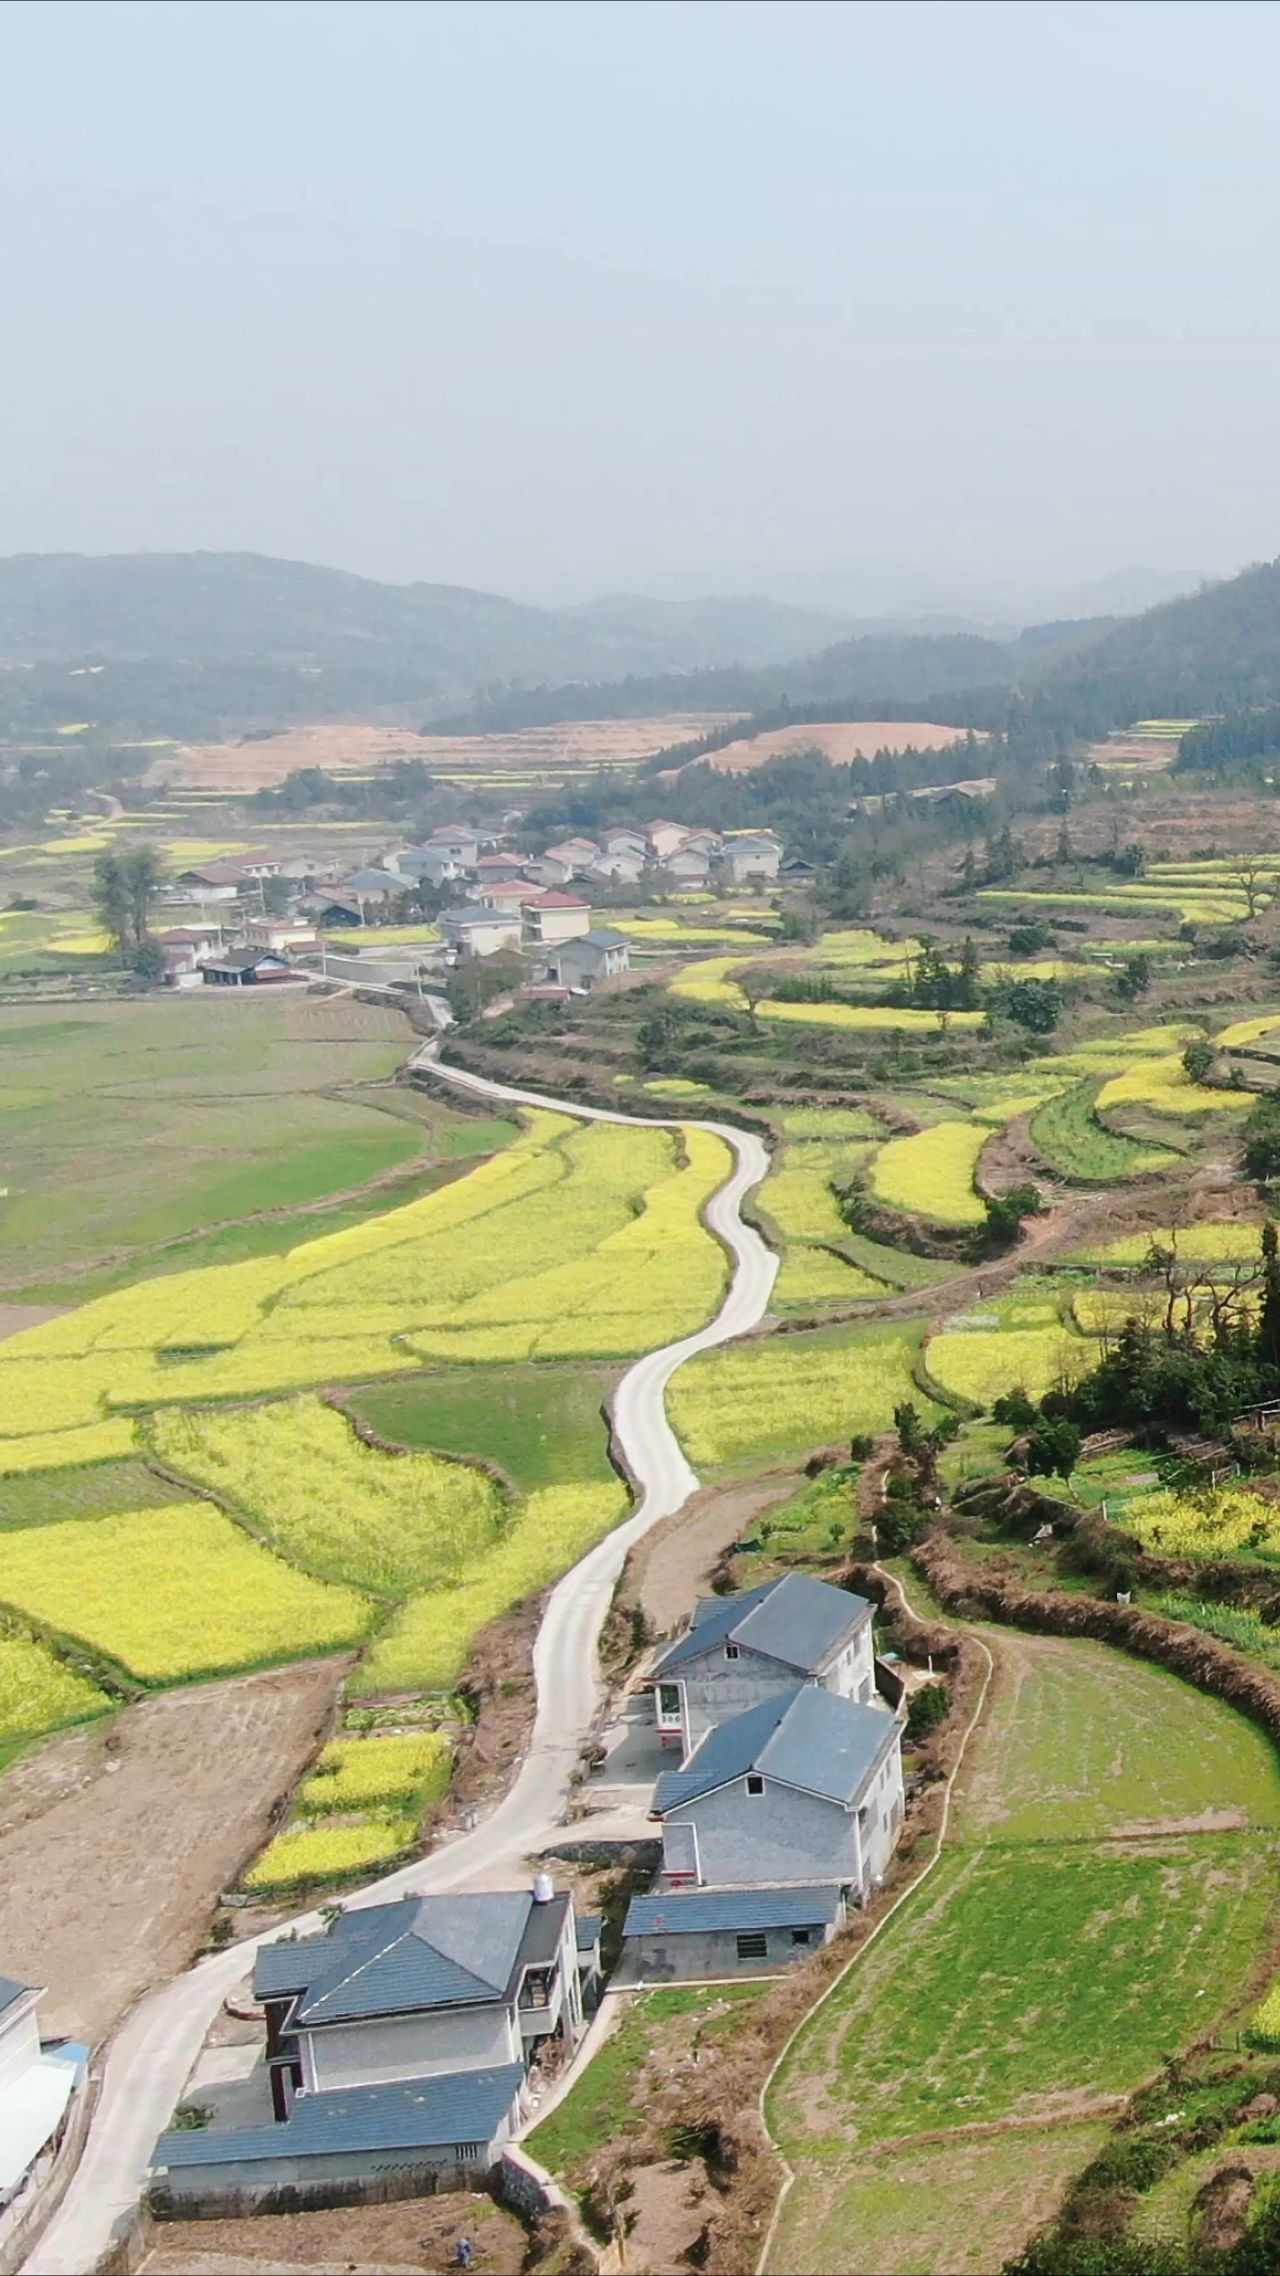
pixel 340 1508
pixel 37 1692
pixel 872 1016
pixel 1217 1522
pixel 790 1393
pixel 173 1591
pixel 410 1768
pixel 329 1853
pixel 930 1174
pixel 426 1645
pixel 1165 1085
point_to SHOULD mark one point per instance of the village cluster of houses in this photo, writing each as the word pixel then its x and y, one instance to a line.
pixel 539 907
pixel 408 2038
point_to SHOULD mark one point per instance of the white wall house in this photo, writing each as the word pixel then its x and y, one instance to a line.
pixel 398 2044
pixel 756 1645
pixel 551 917
pixel 36 2086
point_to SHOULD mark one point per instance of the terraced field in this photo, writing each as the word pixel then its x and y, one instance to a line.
pixel 973 2006
pixel 574 1241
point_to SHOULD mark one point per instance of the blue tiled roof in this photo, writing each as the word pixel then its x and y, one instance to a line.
pixel 10 1989
pixel 588 1927
pixel 796 1620
pixel 807 1737
pixel 422 1952
pixel 694 1912
pixel 412 2114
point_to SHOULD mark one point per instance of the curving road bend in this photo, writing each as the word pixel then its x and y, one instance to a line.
pixel 155 2047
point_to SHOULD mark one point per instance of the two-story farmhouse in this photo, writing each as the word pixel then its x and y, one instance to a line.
pixel 804 1787
pixel 739 1650
pixel 787 1803
pixel 398 2044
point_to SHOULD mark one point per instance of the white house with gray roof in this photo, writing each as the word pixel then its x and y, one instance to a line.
pixel 742 1649
pixel 601 954
pixel 397 2042
pixel 36 2086
pixel 804 1788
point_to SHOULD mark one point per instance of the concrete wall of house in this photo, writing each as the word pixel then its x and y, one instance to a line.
pixel 19 2044
pixel 207 2190
pixel 693 1958
pixel 882 1814
pixel 409 2046
pixel 716 1687
pixel 780 1837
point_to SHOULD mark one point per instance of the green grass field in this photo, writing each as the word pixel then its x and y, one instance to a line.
pixel 540 1425
pixel 1077 1929
pixel 125 1126
pixel 1065 1131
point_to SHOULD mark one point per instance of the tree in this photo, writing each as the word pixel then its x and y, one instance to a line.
pixel 110 896
pixel 1251 881
pixel 926 1708
pixel 1198 1058
pixel 1131 861
pixel 146 960
pixel 142 870
pixel 1269 1313
pixel 1260 1148
pixel 1033 1004
pixel 1015 1409
pixel 277 894
pixel 1053 1447
pixel 968 977
pixel 1005 1213
pixel 910 1429
pixel 1134 977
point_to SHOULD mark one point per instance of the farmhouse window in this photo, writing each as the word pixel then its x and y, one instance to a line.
pixel 755 1783
pixel 753 1945
pixel 669 1699
pixel 731 1651
pixel 800 1935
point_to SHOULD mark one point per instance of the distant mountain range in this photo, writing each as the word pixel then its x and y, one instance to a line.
pixel 211 607
pixel 204 645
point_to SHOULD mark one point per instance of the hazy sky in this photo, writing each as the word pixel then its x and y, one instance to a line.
pixel 860 303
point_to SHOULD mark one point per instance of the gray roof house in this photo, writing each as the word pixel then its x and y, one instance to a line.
pixel 738 1650
pixel 405 2028
pixel 583 962
pixel 725 1932
pixel 801 1792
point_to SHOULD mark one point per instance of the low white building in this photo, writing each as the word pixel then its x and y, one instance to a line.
pixel 585 962
pixel 480 932
pixel 36 2086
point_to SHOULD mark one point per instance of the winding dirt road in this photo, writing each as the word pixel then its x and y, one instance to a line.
pixel 152 2053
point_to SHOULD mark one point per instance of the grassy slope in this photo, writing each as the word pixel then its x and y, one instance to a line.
pixel 541 1425
pixel 1044 1963
pixel 212 1117
pixel 127 1124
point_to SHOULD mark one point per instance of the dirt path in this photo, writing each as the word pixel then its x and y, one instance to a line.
pixel 115 1843
pixel 675 1562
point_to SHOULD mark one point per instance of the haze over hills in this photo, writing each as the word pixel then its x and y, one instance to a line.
pixel 203 607
pixel 207 645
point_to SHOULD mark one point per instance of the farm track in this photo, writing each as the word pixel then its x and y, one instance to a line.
pixel 152 2053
